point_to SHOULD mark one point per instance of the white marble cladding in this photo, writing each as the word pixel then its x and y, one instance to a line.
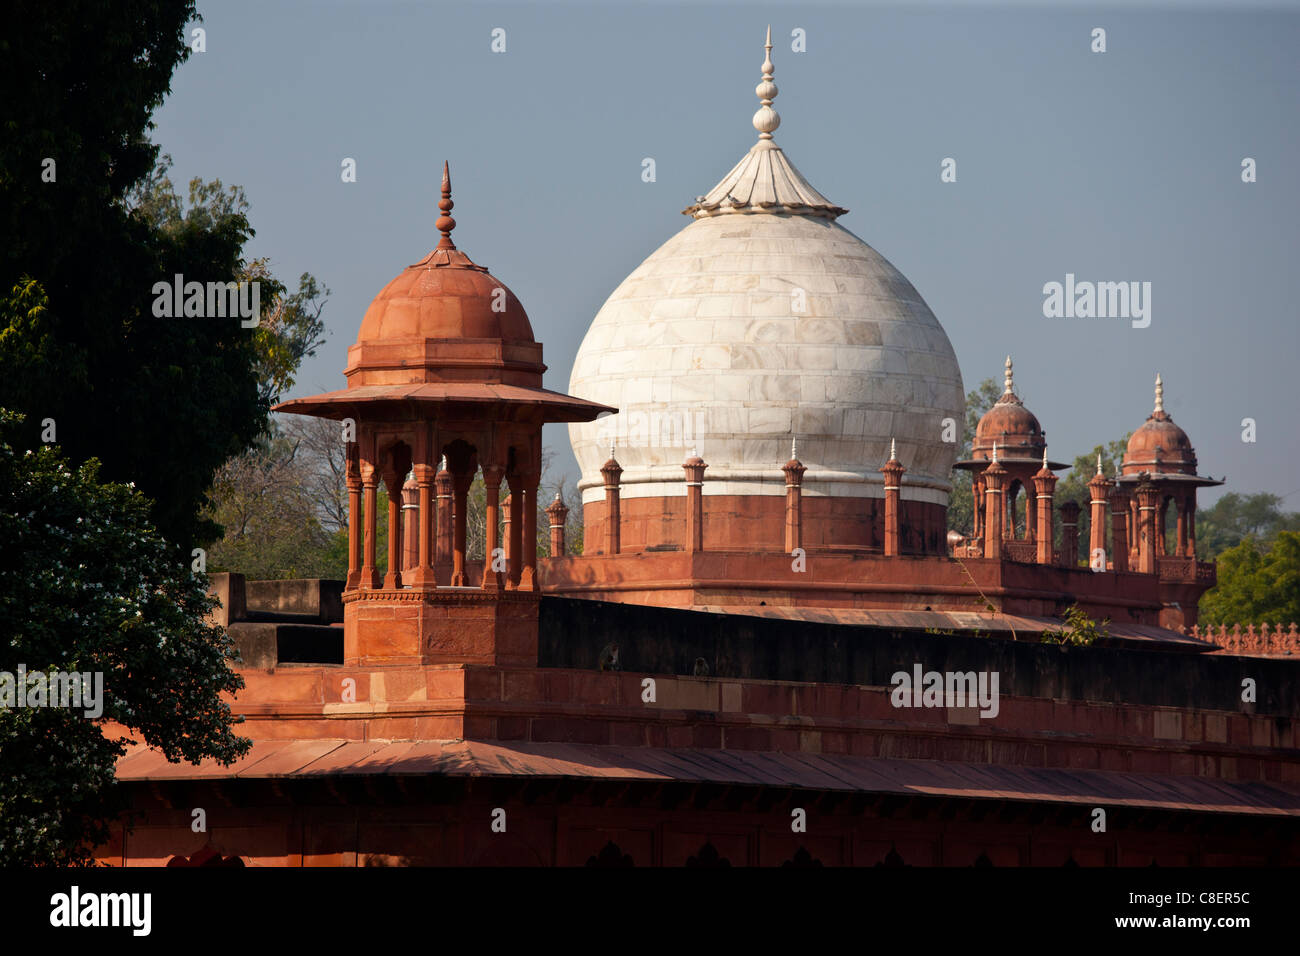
pixel 703 349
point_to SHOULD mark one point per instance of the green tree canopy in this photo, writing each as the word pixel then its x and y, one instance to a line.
pixel 87 584
pixel 1235 517
pixel 1257 584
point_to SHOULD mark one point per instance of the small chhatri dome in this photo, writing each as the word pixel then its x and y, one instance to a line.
pixel 1160 446
pixel 445 338
pixel 445 318
pixel 1011 425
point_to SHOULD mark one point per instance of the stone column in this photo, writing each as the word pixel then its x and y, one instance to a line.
pixel 1181 505
pixel 369 487
pixel 1134 529
pixel 410 528
pixel 1045 532
pixel 514 533
pixel 492 474
pixel 1148 497
pixel 423 575
pixel 393 484
pixel 694 468
pixel 1031 509
pixel 1191 525
pixel 558 516
pixel 528 574
pixel 994 507
pixel 977 507
pixel 893 472
pixel 1162 509
pixel 1119 528
pixel 794 472
pixel 354 519
pixel 460 488
pixel 611 471
pixel 443 538
pixel 1098 492
pixel 1070 534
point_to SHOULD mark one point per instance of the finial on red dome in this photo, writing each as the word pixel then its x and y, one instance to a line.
pixel 445 223
pixel 1160 393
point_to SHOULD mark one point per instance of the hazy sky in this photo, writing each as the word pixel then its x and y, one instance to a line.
pixel 1122 166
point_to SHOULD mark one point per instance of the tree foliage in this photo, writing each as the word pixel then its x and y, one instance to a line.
pixel 1235 517
pixel 1080 630
pixel 1258 584
pixel 86 240
pixel 87 584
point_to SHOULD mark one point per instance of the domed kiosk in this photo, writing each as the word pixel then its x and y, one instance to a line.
pixel 1010 433
pixel 445 368
pixel 762 322
pixel 1159 469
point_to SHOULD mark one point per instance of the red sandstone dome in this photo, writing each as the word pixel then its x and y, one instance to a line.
pixel 445 334
pixel 445 296
pixel 445 319
pixel 1160 446
pixel 1013 427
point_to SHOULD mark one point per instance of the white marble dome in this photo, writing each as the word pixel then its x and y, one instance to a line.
pixel 764 321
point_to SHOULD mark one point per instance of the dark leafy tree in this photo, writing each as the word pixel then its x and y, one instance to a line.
pixel 88 585
pixel 159 401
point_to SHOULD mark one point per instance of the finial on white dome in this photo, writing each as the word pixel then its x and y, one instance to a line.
pixel 766 120
pixel 1160 394
pixel 1006 377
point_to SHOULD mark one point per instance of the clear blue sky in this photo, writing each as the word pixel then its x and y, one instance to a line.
pixel 1116 166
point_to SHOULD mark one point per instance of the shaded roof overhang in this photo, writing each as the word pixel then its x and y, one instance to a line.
pixel 324 758
pixel 1121 632
pixel 426 399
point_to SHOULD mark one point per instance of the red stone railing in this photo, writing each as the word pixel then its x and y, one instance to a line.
pixel 1024 552
pixel 1265 641
pixel 1176 569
